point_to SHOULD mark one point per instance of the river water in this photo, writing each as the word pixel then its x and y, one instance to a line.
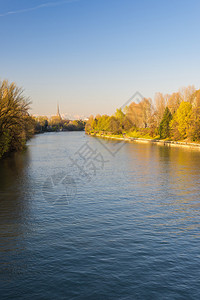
pixel 88 218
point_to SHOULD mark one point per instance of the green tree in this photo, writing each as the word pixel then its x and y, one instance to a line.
pixel 41 124
pixel 102 123
pixel 119 114
pixel 164 128
pixel 113 125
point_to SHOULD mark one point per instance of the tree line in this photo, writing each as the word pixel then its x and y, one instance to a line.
pixel 175 117
pixel 17 125
pixel 56 123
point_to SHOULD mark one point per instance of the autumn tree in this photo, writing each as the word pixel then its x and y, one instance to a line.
pixel 174 101
pixel 134 114
pixel 176 116
pixel 16 125
pixel 139 113
pixel 194 130
pixel 160 104
pixel 187 93
pixel 146 111
pixel 180 123
pixel 55 121
pixel 113 125
pixel 119 114
pixel 89 123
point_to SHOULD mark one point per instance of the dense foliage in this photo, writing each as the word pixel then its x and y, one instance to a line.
pixel 175 117
pixel 16 125
pixel 55 123
pixel 164 128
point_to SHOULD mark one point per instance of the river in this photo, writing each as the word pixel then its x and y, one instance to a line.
pixel 88 218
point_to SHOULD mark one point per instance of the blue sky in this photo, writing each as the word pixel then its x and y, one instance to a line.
pixel 92 55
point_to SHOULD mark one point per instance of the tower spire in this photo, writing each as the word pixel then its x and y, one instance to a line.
pixel 58 111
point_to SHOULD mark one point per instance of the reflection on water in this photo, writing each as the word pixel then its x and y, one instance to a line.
pixel 173 176
pixel 131 233
pixel 14 212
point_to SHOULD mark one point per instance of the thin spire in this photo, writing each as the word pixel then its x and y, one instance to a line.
pixel 58 111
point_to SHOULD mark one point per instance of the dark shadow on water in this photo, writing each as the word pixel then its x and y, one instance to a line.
pixel 14 212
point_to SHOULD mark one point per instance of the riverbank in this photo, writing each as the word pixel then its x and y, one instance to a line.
pixel 145 140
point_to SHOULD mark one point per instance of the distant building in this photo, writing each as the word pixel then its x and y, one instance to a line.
pixel 58 112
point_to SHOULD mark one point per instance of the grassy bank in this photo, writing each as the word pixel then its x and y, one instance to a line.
pixel 132 138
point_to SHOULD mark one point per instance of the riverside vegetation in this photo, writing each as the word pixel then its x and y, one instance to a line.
pixel 17 125
pixel 56 123
pixel 170 117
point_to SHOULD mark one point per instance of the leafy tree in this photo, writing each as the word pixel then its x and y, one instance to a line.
pixel 160 103
pixel 94 124
pixel 139 113
pixel 41 124
pixel 119 115
pixel 164 128
pixel 134 114
pixel 194 129
pixel 16 125
pixel 126 124
pixel 176 116
pixel 55 121
pixel 102 123
pixel 124 121
pixel 174 101
pixel 153 129
pixel 113 125
pixel 187 93
pixel 181 121
pixel 88 127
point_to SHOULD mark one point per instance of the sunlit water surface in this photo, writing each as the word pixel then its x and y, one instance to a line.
pixel 80 224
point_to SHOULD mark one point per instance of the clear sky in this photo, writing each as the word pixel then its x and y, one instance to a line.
pixel 92 55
